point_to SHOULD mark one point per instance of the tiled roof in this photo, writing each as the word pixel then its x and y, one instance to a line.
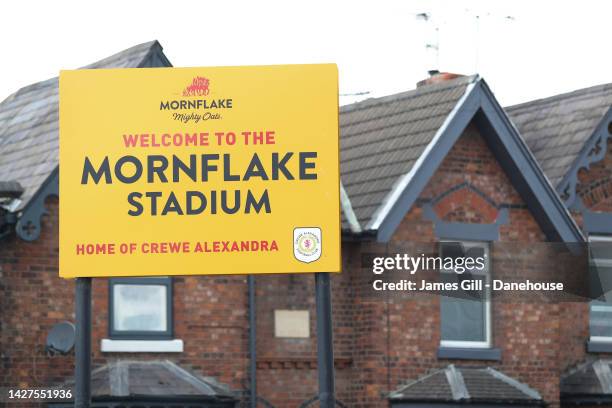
pixel 432 387
pixel 381 139
pixel 125 378
pixel 593 378
pixel 467 385
pixel 29 140
pixel 556 128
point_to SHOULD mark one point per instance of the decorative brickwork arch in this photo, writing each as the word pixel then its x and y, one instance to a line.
pixel 465 201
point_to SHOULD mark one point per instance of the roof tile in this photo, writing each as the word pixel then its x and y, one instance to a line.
pixel 478 385
pixel 29 144
pixel 558 127
pixel 381 139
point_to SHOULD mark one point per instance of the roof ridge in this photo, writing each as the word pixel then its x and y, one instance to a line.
pixel 557 97
pixel 119 377
pixel 412 93
pixel 155 48
pixel 145 45
pixel 49 82
pixel 604 375
pixel 522 387
pixel 577 368
pixel 192 379
pixel 456 383
pixel 399 392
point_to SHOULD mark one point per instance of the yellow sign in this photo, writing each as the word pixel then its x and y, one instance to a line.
pixel 199 171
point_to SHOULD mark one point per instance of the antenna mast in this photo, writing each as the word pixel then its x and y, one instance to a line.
pixel 432 42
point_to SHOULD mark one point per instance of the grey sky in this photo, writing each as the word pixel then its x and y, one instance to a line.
pixel 545 48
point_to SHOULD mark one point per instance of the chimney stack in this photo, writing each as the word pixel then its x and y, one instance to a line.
pixel 436 77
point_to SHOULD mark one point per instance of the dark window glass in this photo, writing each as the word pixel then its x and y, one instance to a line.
pixel 465 316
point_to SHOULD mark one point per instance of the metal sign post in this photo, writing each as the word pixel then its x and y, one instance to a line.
pixel 82 368
pixel 252 341
pixel 325 346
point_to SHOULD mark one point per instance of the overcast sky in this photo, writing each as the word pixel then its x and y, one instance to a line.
pixel 524 49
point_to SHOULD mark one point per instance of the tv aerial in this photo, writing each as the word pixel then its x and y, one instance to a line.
pixel 433 24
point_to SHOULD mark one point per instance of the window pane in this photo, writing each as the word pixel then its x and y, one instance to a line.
pixel 601 319
pixel 463 316
pixel 600 322
pixel 140 307
pixel 463 320
pixel 601 250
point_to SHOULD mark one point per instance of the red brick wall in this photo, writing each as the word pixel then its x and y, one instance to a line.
pixel 396 340
pixel 210 315
pixel 287 374
pixel 380 342
pixel 32 299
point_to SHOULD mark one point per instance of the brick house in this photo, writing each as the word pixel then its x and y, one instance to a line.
pixel 569 135
pixel 443 162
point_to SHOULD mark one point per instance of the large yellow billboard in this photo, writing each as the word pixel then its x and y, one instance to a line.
pixel 189 171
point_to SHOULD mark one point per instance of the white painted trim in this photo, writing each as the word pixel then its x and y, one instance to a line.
pixel 141 346
pixel 601 339
pixel 599 238
pixel 465 344
pixel 602 262
pixel 389 202
pixel 347 207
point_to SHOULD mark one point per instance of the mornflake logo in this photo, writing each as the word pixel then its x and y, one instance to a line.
pixel 200 86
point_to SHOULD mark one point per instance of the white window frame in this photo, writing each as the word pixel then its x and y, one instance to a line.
pixel 598 238
pixel 488 343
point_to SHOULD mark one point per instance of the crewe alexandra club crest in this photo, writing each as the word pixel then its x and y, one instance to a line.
pixel 198 87
pixel 307 244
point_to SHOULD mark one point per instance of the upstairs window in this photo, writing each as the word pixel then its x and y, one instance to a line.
pixel 465 317
pixel 140 308
pixel 600 266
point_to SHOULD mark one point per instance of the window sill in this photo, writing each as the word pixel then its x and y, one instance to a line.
pixel 456 353
pixel 599 346
pixel 141 346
